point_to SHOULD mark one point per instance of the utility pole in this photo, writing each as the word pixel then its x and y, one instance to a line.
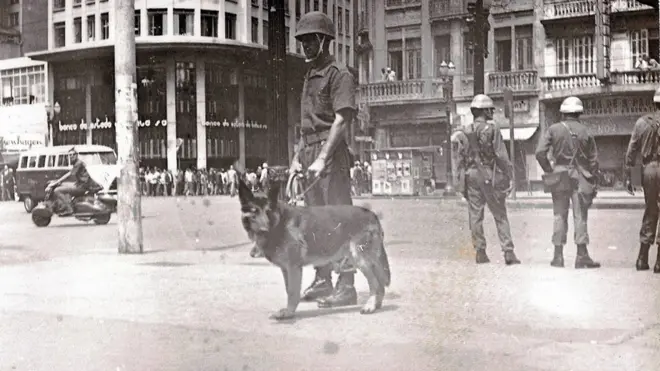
pixel 479 27
pixel 277 44
pixel 129 208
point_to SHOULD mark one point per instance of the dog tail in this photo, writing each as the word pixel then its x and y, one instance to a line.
pixel 382 267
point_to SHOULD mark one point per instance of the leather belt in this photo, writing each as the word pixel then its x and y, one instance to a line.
pixel 316 137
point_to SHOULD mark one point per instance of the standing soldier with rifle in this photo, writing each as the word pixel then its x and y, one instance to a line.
pixel 572 180
pixel 645 140
pixel 487 171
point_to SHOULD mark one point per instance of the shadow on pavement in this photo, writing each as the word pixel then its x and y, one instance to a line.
pixel 227 247
pixel 314 313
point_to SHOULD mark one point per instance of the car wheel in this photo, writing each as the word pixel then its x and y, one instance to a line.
pixel 28 203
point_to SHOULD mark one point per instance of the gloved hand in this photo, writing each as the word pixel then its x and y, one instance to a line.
pixel 629 187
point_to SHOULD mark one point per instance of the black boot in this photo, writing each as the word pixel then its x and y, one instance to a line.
pixel 481 257
pixel 558 259
pixel 583 260
pixel 643 257
pixel 510 258
pixel 656 268
pixel 321 287
pixel 344 293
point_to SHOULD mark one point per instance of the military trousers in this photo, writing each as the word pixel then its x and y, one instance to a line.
pixel 334 188
pixel 651 185
pixel 478 196
pixel 580 202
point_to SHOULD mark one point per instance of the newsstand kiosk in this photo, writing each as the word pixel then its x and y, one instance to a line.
pixel 400 171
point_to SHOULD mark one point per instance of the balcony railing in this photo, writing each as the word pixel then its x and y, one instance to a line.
pixel 569 9
pixel 636 77
pixel 516 80
pixel 441 9
pixel 628 5
pixel 555 83
pixel 402 3
pixel 399 91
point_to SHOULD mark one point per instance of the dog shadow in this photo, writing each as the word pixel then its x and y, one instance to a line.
pixel 321 312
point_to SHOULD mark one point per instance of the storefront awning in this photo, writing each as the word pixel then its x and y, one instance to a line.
pixel 519 133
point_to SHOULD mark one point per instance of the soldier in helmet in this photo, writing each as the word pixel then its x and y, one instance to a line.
pixel 645 141
pixel 328 105
pixel 487 171
pixel 575 182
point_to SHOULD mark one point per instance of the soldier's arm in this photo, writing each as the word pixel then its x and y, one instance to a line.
pixel 542 151
pixel 501 156
pixel 633 146
pixel 343 103
pixel 592 156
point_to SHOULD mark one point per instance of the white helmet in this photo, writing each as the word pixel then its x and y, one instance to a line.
pixel 656 96
pixel 482 101
pixel 571 105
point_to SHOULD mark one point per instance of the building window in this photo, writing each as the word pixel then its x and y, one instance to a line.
pixel 255 30
pixel 58 5
pixel 347 21
pixel 91 28
pixel 340 20
pixel 209 23
pixel 77 30
pixel 76 3
pixel 348 55
pixel 14 2
pixel 265 28
pixel 414 55
pixel 287 32
pixel 395 57
pixel 524 48
pixel 230 26
pixel 24 85
pixel 442 52
pixel 468 56
pixel 13 19
pixel 575 56
pixel 325 6
pixel 316 5
pixel 184 22
pixel 339 52
pixel 60 34
pixel 157 22
pixel 105 26
pixel 137 22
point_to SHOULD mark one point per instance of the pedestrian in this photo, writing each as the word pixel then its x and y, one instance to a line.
pixel 572 179
pixel 645 141
pixel 327 108
pixel 487 171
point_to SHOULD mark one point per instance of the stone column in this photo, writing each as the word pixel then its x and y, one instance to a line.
pixel 456 54
pixel 197 31
pixel 221 20
pixel 241 117
pixel 243 30
pixel 427 47
pixel 201 112
pixel 88 110
pixel 292 26
pixel 170 98
pixel 170 20
pixel 144 20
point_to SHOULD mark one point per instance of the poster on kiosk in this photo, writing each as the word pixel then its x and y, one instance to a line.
pixel 378 173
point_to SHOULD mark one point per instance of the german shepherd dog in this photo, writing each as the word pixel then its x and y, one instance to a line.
pixel 291 237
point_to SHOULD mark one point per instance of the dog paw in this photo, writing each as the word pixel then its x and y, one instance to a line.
pixel 371 306
pixel 282 314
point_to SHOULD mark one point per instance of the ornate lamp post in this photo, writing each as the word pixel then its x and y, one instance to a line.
pixel 447 74
pixel 51 112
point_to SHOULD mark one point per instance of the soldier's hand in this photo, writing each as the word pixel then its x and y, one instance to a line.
pixel 629 187
pixel 316 168
pixel 295 167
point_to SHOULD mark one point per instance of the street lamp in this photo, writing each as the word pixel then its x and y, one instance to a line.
pixel 447 75
pixel 51 112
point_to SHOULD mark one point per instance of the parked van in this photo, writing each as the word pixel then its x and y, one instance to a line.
pixel 39 166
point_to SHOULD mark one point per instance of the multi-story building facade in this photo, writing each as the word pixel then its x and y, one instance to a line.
pixel 615 100
pixel 22 27
pixel 417 39
pixel 202 73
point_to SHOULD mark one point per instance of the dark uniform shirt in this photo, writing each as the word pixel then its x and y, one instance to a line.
pixel 328 88
pixel 80 174
pixel 491 147
pixel 644 140
pixel 564 147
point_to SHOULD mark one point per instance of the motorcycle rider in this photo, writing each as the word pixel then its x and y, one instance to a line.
pixel 82 182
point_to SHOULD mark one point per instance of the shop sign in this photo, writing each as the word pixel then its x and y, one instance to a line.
pixel 22 142
pixel 98 124
pixel 361 138
pixel 235 124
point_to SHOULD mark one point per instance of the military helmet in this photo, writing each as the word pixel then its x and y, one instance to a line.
pixel 571 105
pixel 315 23
pixel 482 101
pixel 656 96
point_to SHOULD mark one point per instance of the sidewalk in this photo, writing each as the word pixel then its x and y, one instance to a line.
pixel 185 310
pixel 605 200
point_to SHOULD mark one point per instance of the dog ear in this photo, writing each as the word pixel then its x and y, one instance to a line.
pixel 274 194
pixel 245 195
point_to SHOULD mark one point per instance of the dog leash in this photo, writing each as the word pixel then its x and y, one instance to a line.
pixel 299 197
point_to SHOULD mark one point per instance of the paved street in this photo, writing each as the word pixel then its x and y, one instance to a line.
pixel 196 301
